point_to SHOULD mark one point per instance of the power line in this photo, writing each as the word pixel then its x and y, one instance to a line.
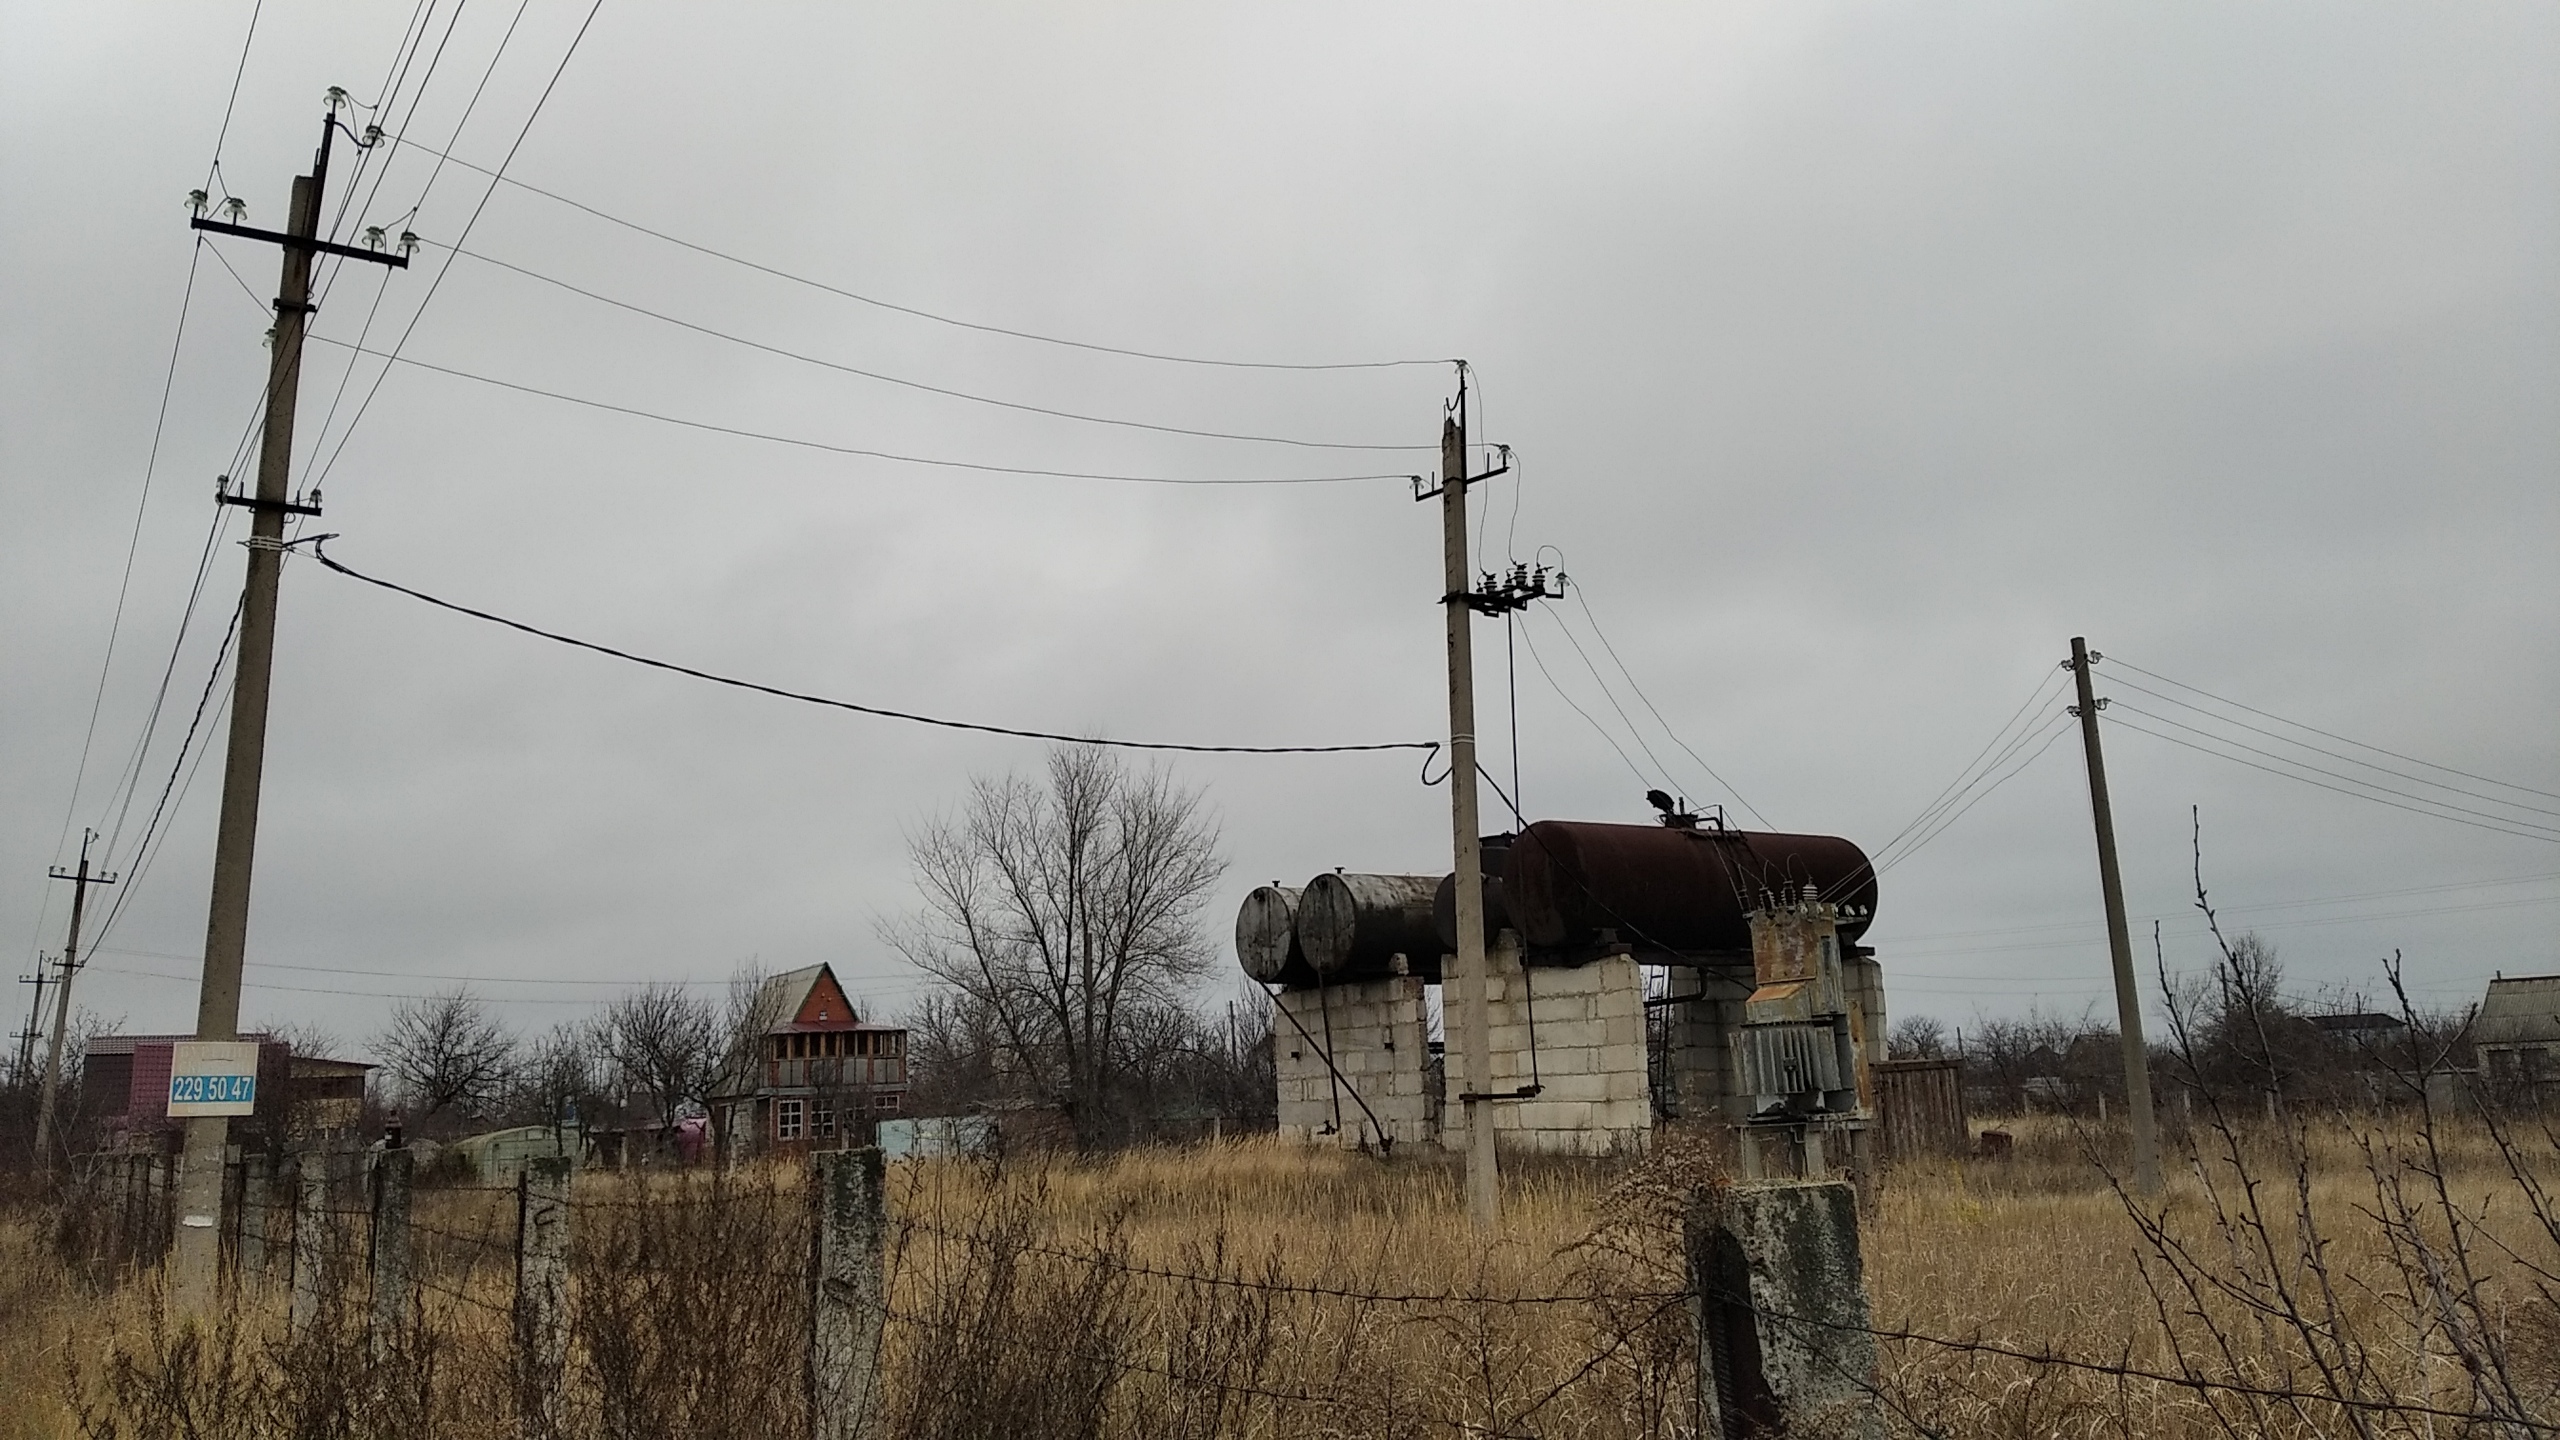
pixel 2284 739
pixel 2254 908
pixel 1966 776
pixel 2052 733
pixel 1997 749
pixel 1609 695
pixel 1429 747
pixel 382 288
pixel 214 167
pixel 447 268
pixel 133 540
pixel 875 301
pixel 1597 728
pixel 1582 598
pixel 804 443
pixel 2334 775
pixel 142 849
pixel 2341 739
pixel 930 389
pixel 870 983
pixel 2357 794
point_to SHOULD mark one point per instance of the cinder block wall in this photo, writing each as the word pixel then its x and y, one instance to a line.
pixel 1379 1046
pixel 1703 1079
pixel 1590 1055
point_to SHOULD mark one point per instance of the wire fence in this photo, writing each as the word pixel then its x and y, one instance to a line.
pixel 680 1299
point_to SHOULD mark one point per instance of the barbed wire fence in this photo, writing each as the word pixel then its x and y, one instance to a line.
pixel 803 1301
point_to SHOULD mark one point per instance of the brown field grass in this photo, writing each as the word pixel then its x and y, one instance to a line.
pixel 1254 1288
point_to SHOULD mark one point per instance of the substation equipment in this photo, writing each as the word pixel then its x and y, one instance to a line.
pixel 1768 1021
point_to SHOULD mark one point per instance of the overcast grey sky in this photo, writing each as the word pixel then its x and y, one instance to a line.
pixel 1854 356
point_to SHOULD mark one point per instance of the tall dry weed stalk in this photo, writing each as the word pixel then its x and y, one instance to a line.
pixel 691 1307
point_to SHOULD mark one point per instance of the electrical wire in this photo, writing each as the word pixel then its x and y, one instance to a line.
pixel 382 278
pixel 2316 730
pixel 214 167
pixel 804 443
pixel 900 380
pixel 477 211
pixel 2357 794
pixel 142 849
pixel 1429 747
pixel 1582 597
pixel 2332 774
pixel 2052 733
pixel 129 782
pixel 2090 925
pixel 1596 727
pixel 133 543
pixel 1966 778
pixel 920 314
pixel 1659 769
pixel 868 986
pixel 2284 739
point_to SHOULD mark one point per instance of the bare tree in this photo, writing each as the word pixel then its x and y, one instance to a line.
pixel 560 1074
pixel 665 1042
pixel 308 1039
pixel 449 1055
pixel 1917 1037
pixel 1066 910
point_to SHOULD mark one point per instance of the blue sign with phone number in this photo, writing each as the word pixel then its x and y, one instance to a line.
pixel 213 1089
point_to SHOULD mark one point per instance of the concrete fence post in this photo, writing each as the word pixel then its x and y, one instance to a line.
pixel 848 1293
pixel 542 1291
pixel 310 1237
pixel 393 1171
pixel 257 1205
pixel 1778 1294
pixel 162 1212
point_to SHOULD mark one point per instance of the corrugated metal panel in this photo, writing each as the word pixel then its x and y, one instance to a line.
pixel 1789 1059
pixel 1920 1108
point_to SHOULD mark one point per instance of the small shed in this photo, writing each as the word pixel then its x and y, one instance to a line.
pixel 2517 1035
pixel 497 1157
pixel 1920 1108
pixel 938 1136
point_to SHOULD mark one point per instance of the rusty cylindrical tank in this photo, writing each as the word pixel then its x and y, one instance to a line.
pixel 1567 881
pixel 1267 937
pixel 1351 926
pixel 1444 900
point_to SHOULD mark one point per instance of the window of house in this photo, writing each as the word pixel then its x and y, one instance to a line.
pixel 781 1048
pixel 786 1120
pixel 826 1118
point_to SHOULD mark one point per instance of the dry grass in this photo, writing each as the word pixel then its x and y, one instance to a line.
pixel 1029 1299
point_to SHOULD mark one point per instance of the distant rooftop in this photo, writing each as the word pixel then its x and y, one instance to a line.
pixel 2357 1023
pixel 2520 1010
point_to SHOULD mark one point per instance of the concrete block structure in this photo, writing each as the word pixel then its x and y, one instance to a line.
pixel 1705 1011
pixel 1380 1085
pixel 1578 1034
pixel 1780 1300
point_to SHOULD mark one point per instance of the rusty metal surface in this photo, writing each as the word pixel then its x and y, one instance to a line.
pixel 1444 899
pixel 1352 926
pixel 1565 882
pixel 1920 1108
pixel 1267 937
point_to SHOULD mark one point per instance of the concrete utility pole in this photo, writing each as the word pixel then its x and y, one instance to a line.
pixel 2137 1057
pixel 1475 1012
pixel 25 1072
pixel 198 1245
pixel 80 880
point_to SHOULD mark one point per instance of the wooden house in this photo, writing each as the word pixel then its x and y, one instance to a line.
pixel 812 1074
